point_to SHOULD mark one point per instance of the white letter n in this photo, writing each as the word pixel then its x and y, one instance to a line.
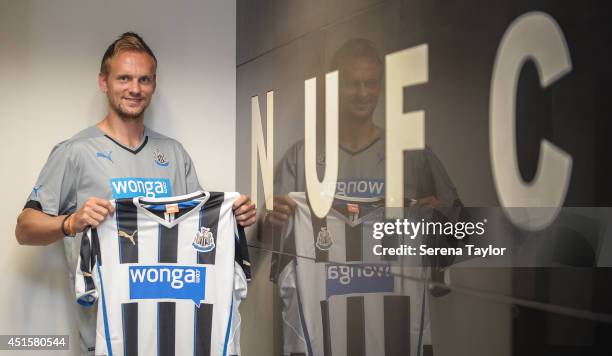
pixel 258 148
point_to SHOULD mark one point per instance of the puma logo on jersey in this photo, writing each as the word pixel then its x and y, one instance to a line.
pixel 128 236
pixel 35 190
pixel 105 155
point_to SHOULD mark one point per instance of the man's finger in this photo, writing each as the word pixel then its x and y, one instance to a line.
pixel 107 204
pixel 89 221
pixel 430 201
pixel 104 203
pixel 279 216
pixel 245 208
pixel 248 222
pixel 100 209
pixel 241 200
pixel 276 222
pixel 285 200
pixel 94 215
pixel 245 216
pixel 283 208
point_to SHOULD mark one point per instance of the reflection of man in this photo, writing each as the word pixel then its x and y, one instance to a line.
pixel 362 145
pixel 361 174
pixel 117 158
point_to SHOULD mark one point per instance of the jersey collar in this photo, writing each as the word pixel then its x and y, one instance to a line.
pixel 201 196
pixel 145 139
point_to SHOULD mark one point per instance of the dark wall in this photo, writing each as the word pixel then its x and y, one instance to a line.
pixel 282 43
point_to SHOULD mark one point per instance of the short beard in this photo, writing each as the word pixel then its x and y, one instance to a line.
pixel 129 116
pixel 126 116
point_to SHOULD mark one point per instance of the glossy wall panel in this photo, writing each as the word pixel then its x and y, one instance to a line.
pixel 515 308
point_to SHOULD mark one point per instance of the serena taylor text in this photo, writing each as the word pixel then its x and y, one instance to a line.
pixel 422 228
pixel 423 250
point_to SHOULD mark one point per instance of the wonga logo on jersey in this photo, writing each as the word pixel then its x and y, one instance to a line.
pixel 138 187
pixel 168 282
pixel 358 278
pixel 359 187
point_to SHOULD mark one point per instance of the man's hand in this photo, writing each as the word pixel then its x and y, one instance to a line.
pixel 91 213
pixel 245 211
pixel 34 227
pixel 284 207
pixel 428 202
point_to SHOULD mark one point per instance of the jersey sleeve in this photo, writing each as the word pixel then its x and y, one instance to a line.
pixel 241 254
pixel 293 335
pixel 55 190
pixel 242 275
pixel 191 176
pixel 86 293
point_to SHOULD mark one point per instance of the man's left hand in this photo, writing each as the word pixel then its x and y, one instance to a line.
pixel 245 211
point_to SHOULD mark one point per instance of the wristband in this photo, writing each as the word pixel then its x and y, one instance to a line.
pixel 63 224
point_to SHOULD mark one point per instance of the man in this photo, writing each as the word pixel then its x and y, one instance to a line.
pixel 361 169
pixel 117 158
pixel 361 161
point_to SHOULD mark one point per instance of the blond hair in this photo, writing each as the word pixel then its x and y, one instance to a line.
pixel 128 41
pixel 353 49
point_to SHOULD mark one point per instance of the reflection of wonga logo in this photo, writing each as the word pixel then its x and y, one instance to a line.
pixel 344 274
pixel 167 282
pixel 358 278
pixel 138 187
pixel 359 187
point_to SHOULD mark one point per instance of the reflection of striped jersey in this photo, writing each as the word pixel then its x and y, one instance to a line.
pixel 168 275
pixel 336 304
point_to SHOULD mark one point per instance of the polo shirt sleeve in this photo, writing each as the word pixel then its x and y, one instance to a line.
pixel 191 177
pixel 55 190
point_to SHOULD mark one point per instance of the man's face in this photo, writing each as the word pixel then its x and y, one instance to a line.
pixel 130 83
pixel 360 85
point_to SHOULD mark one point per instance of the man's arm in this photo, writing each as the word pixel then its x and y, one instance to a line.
pixel 37 228
pixel 34 227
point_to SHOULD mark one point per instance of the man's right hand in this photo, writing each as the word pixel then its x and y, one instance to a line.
pixel 91 214
pixel 35 227
pixel 284 207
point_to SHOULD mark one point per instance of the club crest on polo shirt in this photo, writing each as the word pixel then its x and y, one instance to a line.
pixel 324 239
pixel 204 241
pixel 160 158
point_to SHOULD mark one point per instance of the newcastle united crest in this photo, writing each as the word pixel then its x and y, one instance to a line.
pixel 324 239
pixel 204 240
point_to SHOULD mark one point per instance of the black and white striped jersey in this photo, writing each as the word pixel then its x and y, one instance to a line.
pixel 335 301
pixel 168 275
